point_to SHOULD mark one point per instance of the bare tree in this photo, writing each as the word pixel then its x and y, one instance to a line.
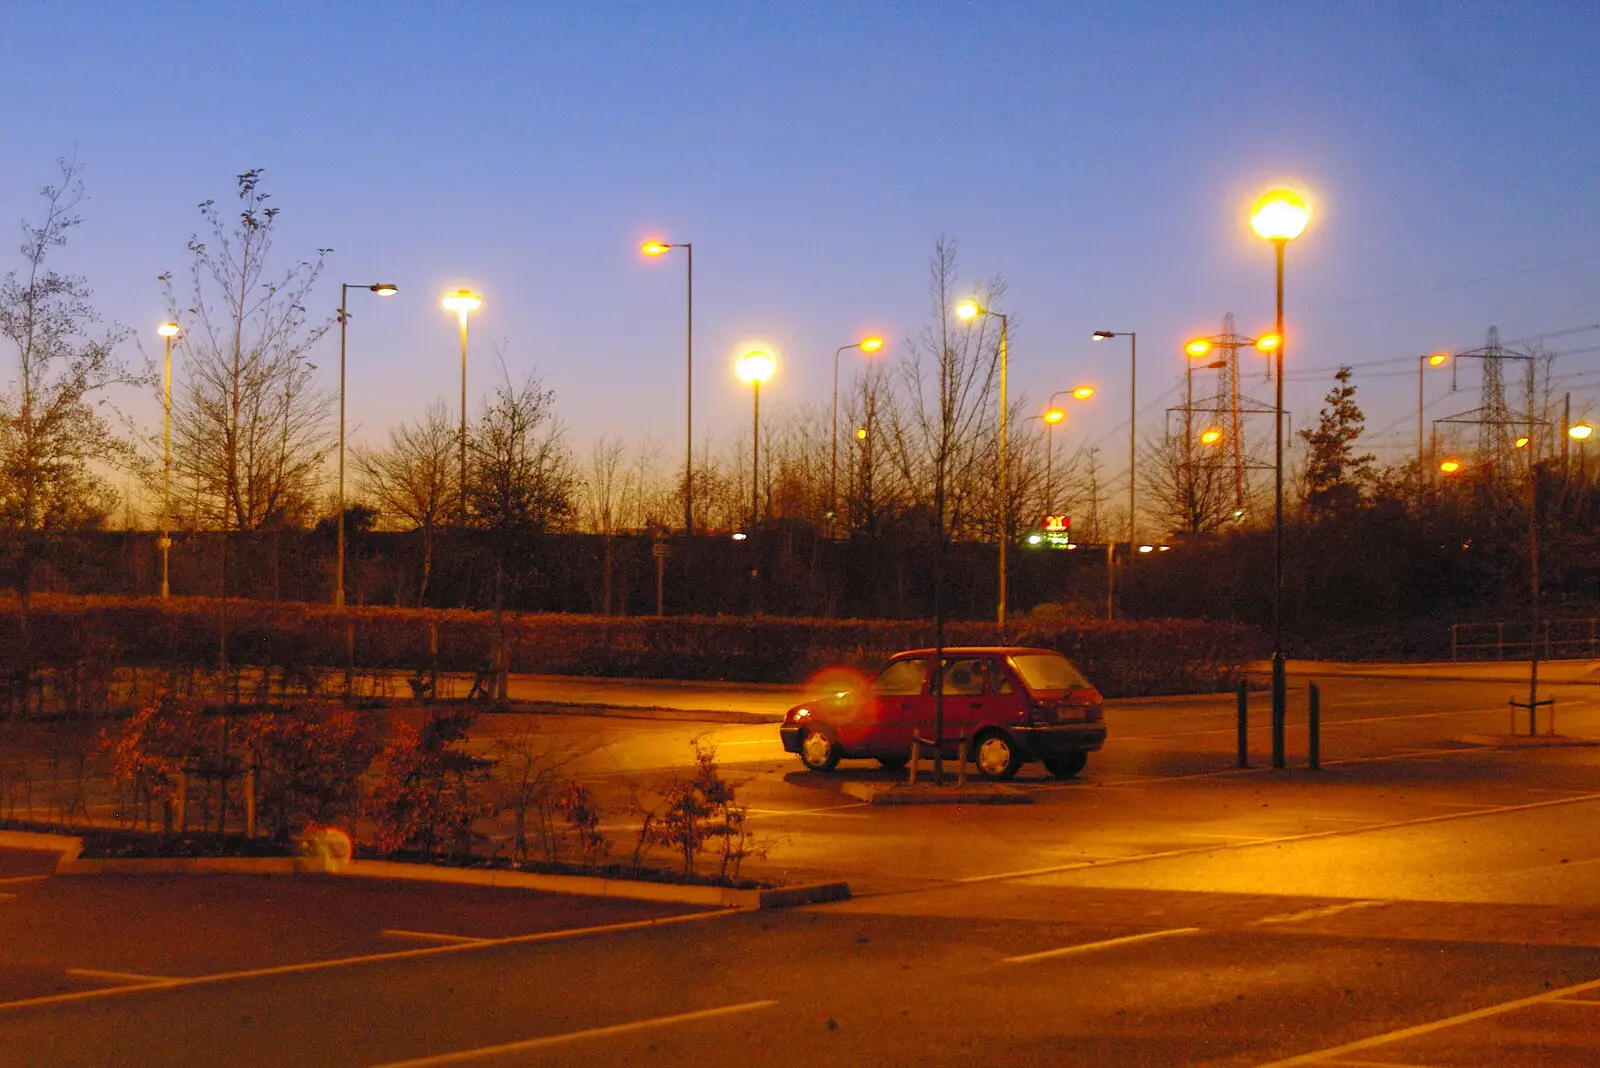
pixel 51 432
pixel 250 428
pixel 414 478
pixel 1188 493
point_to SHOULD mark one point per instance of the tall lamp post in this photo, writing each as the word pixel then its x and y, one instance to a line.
pixel 1133 438
pixel 1437 359
pixel 868 345
pixel 1053 415
pixel 661 248
pixel 168 331
pixel 463 302
pixel 969 310
pixel 1280 216
pixel 383 289
pixel 755 367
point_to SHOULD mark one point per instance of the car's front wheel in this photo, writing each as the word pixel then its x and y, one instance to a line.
pixel 1066 765
pixel 997 756
pixel 818 752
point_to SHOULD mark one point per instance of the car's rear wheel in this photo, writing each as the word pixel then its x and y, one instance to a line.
pixel 996 755
pixel 1067 765
pixel 818 752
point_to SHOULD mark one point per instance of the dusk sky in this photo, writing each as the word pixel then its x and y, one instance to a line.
pixel 1100 157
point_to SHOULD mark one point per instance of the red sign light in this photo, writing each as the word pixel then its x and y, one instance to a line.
pixel 1057 524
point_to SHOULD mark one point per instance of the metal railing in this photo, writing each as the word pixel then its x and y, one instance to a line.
pixel 1558 639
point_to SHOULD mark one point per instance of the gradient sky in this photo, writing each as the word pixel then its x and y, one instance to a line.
pixel 1101 157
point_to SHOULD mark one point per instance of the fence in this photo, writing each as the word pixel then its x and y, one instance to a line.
pixel 1558 639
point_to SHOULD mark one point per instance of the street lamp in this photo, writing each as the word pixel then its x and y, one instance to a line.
pixel 869 345
pixel 1280 216
pixel 755 367
pixel 1053 415
pixel 1133 437
pixel 463 302
pixel 383 289
pixel 1437 359
pixel 969 310
pixel 168 331
pixel 1580 432
pixel 661 248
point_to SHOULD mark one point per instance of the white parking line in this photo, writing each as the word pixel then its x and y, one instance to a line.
pixel 23 879
pixel 830 810
pixel 1322 1056
pixel 429 936
pixel 366 958
pixel 120 977
pixel 1088 947
pixel 461 1056
pixel 1317 914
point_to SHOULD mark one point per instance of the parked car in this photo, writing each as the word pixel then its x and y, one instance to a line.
pixel 1008 704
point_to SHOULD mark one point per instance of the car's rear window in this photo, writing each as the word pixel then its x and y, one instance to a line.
pixel 1048 671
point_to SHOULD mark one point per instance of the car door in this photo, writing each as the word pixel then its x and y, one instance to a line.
pixel 890 713
pixel 965 682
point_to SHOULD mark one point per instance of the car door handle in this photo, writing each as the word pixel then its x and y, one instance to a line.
pixel 975 704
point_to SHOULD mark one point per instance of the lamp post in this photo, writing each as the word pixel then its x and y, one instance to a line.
pixel 1133 438
pixel 168 331
pixel 1436 359
pixel 1280 216
pixel 661 248
pixel 383 289
pixel 755 367
pixel 463 302
pixel 968 310
pixel 1053 415
pixel 868 345
pixel 1580 432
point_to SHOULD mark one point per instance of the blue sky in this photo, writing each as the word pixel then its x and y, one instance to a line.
pixel 1101 157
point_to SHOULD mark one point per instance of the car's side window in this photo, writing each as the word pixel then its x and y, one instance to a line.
pixel 999 678
pixel 903 678
pixel 964 678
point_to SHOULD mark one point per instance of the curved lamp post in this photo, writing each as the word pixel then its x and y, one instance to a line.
pixel 1280 216
pixel 661 248
pixel 383 289
pixel 1051 416
pixel 463 302
pixel 968 310
pixel 870 344
pixel 168 331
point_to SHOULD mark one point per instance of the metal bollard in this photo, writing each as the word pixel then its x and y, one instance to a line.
pixel 1244 725
pixel 1314 715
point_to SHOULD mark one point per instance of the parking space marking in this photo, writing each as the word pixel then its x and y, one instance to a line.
pixel 1324 1056
pixel 1309 836
pixel 1319 913
pixel 430 936
pixel 23 879
pixel 1227 837
pixel 1089 947
pixel 829 810
pixel 120 977
pixel 367 958
pixel 461 1056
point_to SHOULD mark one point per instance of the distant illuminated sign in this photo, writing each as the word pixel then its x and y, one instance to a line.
pixel 1055 532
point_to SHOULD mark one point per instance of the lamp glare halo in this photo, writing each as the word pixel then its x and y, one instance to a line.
pixel 169 329
pixel 1280 215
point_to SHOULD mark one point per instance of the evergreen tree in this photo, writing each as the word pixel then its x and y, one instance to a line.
pixel 1336 478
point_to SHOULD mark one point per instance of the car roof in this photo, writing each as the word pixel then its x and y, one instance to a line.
pixel 979 650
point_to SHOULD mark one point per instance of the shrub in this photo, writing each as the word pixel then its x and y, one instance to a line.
pixel 426 797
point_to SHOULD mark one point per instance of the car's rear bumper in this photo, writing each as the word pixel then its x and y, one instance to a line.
pixel 1059 739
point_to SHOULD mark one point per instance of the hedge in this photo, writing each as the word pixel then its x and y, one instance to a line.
pixel 1123 658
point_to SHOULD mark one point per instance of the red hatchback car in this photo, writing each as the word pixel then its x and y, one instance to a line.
pixel 1011 704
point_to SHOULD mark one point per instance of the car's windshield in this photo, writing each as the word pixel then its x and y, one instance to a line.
pixel 1048 671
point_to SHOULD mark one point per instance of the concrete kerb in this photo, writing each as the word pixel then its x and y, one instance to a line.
pixel 928 794
pixel 69 847
pixel 1527 741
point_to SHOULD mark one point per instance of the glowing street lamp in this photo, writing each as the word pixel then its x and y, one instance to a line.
pixel 1210 436
pixel 463 302
pixel 168 331
pixel 869 344
pixel 383 289
pixel 755 367
pixel 1437 359
pixel 1280 216
pixel 1053 415
pixel 968 310
pixel 661 248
